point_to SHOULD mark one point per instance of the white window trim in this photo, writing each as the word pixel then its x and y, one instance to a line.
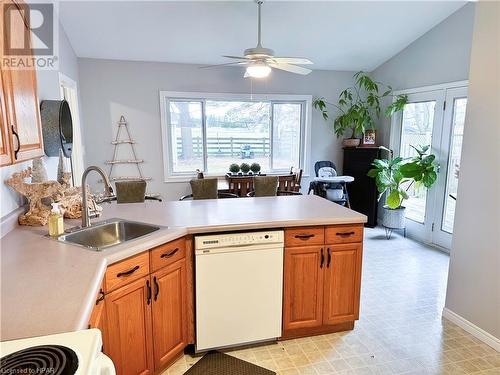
pixel 164 95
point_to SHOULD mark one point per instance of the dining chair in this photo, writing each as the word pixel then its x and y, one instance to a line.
pixel 206 188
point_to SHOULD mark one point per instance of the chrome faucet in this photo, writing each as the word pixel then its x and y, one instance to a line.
pixel 85 206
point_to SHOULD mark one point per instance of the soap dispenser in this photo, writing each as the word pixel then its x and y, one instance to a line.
pixel 56 221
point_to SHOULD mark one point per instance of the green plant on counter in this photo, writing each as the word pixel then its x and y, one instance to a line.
pixel 234 168
pixel 245 167
pixel 255 167
pixel 359 106
pixel 397 175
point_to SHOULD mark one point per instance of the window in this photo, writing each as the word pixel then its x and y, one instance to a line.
pixel 210 131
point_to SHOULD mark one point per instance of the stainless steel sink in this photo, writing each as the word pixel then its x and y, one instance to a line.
pixel 108 233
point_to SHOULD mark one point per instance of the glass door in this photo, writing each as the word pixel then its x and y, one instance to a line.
pixel 419 125
pixel 447 184
pixel 434 118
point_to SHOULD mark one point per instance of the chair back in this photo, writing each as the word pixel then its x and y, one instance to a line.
pixel 205 188
pixel 265 186
pixel 130 191
pixel 324 167
pixel 240 185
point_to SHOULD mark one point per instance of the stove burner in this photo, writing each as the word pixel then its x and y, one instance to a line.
pixel 43 360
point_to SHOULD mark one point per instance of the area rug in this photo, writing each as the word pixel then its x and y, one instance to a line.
pixel 217 363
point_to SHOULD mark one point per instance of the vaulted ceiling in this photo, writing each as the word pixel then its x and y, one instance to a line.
pixel 348 35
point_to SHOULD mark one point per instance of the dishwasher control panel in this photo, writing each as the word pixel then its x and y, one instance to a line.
pixel 214 241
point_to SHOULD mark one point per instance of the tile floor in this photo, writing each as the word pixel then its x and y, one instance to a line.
pixel 400 330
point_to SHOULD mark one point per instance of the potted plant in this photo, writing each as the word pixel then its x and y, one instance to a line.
pixel 255 168
pixel 396 175
pixel 245 168
pixel 234 168
pixel 358 107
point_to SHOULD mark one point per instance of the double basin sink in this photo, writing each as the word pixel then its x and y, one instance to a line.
pixel 108 233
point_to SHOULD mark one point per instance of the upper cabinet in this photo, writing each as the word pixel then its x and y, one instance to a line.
pixel 21 130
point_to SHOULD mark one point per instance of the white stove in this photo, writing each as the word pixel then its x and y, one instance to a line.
pixel 72 353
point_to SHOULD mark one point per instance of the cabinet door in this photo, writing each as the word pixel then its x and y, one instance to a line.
pixel 302 290
pixel 98 318
pixel 128 313
pixel 5 155
pixel 342 283
pixel 169 312
pixel 23 112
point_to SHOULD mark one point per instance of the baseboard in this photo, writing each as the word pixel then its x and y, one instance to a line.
pixel 474 330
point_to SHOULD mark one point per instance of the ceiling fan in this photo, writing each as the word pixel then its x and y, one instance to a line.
pixel 259 61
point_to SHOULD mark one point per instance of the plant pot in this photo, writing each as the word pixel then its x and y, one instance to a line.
pixel 394 218
pixel 351 142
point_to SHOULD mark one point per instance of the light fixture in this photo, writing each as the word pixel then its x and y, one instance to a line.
pixel 258 70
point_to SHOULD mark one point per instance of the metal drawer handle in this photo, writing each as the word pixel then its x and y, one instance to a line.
pixel 100 298
pixel 148 301
pixel 344 233
pixel 304 236
pixel 329 258
pixel 167 255
pixel 322 259
pixel 18 142
pixel 157 288
pixel 129 272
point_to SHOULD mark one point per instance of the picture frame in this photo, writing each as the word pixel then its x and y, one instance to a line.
pixel 370 137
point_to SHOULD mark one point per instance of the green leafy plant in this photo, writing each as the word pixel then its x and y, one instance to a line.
pixel 397 175
pixel 255 167
pixel 359 105
pixel 245 167
pixel 234 168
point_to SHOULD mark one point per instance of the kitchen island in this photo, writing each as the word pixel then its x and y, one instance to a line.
pixel 50 287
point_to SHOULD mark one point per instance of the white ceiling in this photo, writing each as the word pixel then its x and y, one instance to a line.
pixel 347 35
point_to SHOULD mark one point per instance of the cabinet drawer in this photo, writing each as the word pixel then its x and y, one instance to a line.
pixel 126 271
pixel 344 234
pixel 167 254
pixel 304 236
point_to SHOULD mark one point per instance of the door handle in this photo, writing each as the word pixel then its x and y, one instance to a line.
pixel 166 255
pixel 322 259
pixel 18 141
pixel 148 299
pixel 329 258
pixel 101 297
pixel 157 288
pixel 126 273
pixel 344 234
pixel 304 236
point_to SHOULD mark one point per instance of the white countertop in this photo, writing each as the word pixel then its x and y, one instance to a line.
pixel 49 287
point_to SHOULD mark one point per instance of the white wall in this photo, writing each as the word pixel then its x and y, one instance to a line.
pixel 111 88
pixel 441 55
pixel 48 88
pixel 474 278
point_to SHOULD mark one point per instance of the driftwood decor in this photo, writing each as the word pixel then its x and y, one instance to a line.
pixel 70 198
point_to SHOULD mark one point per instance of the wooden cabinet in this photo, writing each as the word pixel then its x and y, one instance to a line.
pixel 169 312
pixel 21 126
pixel 342 283
pixel 322 283
pixel 129 328
pixel 146 318
pixel 303 292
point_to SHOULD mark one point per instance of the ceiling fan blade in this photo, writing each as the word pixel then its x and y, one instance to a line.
pixel 291 60
pixel 226 64
pixel 291 68
pixel 236 57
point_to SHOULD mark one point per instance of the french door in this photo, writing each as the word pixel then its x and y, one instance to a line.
pixel 432 117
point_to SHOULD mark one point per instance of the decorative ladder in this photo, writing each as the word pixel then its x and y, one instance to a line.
pixel 135 160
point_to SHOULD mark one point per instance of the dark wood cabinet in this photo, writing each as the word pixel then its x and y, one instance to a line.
pixel 363 191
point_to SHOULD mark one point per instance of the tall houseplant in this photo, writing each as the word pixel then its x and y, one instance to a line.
pixel 358 107
pixel 396 176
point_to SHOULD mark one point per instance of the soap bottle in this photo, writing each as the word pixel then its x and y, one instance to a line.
pixel 56 222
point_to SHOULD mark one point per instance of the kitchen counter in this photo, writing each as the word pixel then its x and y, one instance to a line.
pixel 50 287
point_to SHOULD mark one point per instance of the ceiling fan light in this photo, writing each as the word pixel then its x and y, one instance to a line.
pixel 258 70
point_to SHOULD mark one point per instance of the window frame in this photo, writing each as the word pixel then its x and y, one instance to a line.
pixel 166 96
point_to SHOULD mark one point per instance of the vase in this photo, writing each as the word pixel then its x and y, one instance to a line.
pixel 394 218
pixel 351 142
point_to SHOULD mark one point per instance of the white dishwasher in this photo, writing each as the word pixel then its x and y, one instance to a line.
pixel 239 288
